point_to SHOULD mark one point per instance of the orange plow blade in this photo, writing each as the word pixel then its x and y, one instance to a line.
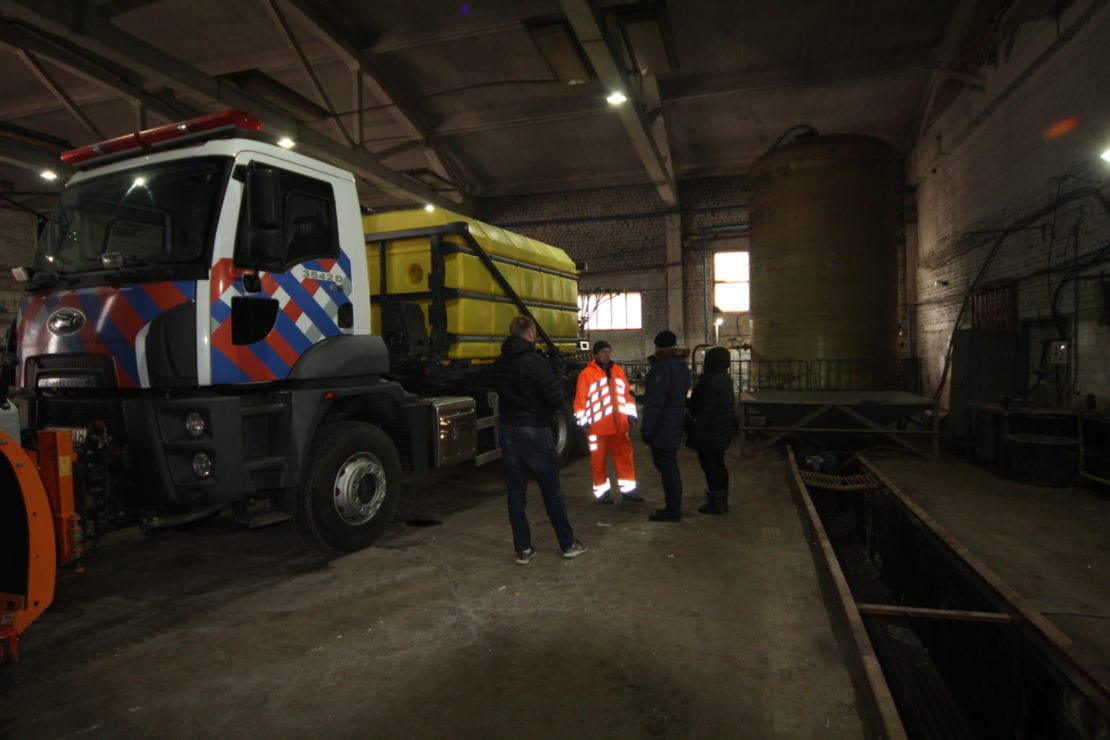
pixel 28 546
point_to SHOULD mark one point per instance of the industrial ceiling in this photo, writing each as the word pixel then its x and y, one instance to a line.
pixel 449 101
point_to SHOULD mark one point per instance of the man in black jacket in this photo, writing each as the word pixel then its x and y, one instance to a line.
pixel 668 380
pixel 528 395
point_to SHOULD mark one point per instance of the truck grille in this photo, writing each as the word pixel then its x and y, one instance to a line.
pixel 71 371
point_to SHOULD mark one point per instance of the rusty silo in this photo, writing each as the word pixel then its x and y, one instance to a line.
pixel 824 236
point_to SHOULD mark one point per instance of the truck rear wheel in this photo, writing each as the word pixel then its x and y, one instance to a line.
pixel 350 490
pixel 568 438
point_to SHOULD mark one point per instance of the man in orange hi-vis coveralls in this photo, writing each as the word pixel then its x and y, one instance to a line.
pixel 604 405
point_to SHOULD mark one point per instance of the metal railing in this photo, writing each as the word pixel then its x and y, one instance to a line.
pixel 810 375
pixel 829 375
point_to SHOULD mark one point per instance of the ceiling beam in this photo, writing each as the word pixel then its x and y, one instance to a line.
pixel 118 7
pixel 945 53
pixel 489 21
pixel 39 71
pixel 91 68
pixel 675 91
pixel 678 88
pixel 278 17
pixel 33 158
pixel 80 24
pixel 362 66
pixel 610 70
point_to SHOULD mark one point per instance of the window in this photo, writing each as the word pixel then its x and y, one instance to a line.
pixel 163 214
pixel 305 215
pixel 730 281
pixel 608 310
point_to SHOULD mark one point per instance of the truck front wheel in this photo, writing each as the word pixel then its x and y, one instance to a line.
pixel 351 488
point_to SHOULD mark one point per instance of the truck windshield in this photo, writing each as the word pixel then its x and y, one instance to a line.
pixel 162 214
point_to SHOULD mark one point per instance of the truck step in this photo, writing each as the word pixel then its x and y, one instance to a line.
pixel 258 514
pixel 263 463
pixel 486 457
pixel 262 408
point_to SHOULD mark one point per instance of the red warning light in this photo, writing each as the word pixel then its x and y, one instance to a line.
pixel 1061 128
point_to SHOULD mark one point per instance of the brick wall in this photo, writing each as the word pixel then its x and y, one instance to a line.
pixel 621 234
pixel 997 196
pixel 17 246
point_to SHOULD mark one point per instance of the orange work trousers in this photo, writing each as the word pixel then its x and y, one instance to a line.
pixel 620 447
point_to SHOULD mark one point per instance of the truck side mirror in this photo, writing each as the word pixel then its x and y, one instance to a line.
pixel 266 249
pixel 263 242
pixel 263 189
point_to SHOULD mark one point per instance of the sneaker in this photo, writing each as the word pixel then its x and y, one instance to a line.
pixel 575 550
pixel 606 499
pixel 633 496
pixel 522 558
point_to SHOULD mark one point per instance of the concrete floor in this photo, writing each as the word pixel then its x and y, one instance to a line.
pixel 714 627
pixel 710 628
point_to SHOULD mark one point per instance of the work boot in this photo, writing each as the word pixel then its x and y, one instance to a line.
pixel 664 515
pixel 717 503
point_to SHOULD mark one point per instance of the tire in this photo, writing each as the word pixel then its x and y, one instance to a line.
pixel 570 441
pixel 351 488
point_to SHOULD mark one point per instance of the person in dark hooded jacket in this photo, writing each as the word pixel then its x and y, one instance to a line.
pixel 668 379
pixel 712 420
pixel 528 395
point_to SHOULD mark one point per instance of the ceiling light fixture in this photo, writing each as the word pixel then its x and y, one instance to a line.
pixel 616 98
pixel 48 175
pixel 429 208
pixel 286 143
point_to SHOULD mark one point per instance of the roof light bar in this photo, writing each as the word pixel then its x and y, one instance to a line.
pixel 153 136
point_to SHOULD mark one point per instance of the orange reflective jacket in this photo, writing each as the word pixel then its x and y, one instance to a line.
pixel 603 404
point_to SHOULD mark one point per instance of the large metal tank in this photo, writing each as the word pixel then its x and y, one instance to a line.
pixel 824 250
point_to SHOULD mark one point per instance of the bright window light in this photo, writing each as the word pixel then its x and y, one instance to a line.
pixel 616 98
pixel 605 311
pixel 51 175
pixel 731 289
pixel 286 143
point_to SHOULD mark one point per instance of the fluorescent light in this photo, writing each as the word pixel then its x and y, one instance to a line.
pixel 429 208
pixel 616 98
pixel 286 143
pixel 51 175
pixel 1106 155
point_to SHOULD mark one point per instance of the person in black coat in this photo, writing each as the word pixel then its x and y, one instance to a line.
pixel 528 395
pixel 712 421
pixel 668 380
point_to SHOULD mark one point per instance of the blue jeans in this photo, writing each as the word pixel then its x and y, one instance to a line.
pixel 666 462
pixel 531 451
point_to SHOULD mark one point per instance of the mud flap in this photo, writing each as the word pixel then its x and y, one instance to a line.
pixel 28 559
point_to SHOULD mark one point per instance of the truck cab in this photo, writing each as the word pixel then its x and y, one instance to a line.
pixel 190 319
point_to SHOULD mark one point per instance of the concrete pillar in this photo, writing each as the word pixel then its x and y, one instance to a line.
pixel 676 305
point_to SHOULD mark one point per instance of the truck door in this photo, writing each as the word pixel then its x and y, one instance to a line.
pixel 287 285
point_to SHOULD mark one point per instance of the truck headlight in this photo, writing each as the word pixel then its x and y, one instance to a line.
pixel 195 424
pixel 202 464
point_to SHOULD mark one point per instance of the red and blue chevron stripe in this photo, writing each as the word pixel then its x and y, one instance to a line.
pixel 307 311
pixel 114 316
